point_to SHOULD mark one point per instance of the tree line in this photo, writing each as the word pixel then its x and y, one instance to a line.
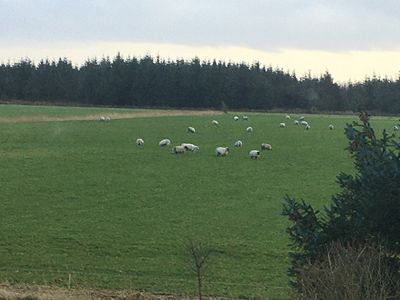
pixel 154 82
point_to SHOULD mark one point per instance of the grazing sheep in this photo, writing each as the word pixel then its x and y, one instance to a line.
pixel 301 118
pixel 331 126
pixel 164 142
pixel 238 143
pixel 249 129
pixel 395 128
pixel 215 122
pixel 236 118
pixel 191 129
pixel 102 118
pixel 254 154
pixel 178 150
pixel 245 117
pixel 222 151
pixel 140 142
pixel 287 117
pixel 266 147
pixel 304 123
pixel 296 122
pixel 282 125
pixel 307 127
pixel 190 147
pixel 108 118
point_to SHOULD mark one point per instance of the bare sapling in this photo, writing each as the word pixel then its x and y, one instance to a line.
pixel 199 254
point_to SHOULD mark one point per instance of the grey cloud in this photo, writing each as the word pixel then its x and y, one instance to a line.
pixel 267 25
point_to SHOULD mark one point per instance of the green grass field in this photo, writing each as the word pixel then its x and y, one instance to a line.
pixel 80 198
pixel 11 110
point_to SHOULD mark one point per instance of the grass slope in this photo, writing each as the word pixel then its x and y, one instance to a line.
pixel 13 110
pixel 79 197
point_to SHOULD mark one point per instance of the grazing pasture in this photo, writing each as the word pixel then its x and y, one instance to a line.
pixel 11 110
pixel 81 198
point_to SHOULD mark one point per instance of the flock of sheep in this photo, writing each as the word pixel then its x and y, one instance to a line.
pixel 223 151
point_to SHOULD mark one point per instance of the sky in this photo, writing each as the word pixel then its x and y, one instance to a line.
pixel 351 39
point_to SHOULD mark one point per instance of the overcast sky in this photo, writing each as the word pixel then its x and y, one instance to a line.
pixel 274 32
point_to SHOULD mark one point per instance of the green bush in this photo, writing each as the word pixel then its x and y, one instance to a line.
pixel 365 211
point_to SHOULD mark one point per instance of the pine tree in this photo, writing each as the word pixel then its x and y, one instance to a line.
pixel 366 210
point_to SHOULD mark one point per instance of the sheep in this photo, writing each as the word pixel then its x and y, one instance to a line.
pixel 178 150
pixel 108 118
pixel 304 123
pixel 190 147
pixel 236 118
pixel 331 126
pixel 307 127
pixel 102 118
pixel 164 142
pixel 395 128
pixel 140 142
pixel 266 147
pixel 222 151
pixel 296 122
pixel 254 154
pixel 245 118
pixel 301 118
pixel 238 143
pixel 287 117
pixel 215 122
pixel 282 125
pixel 191 129
pixel 249 129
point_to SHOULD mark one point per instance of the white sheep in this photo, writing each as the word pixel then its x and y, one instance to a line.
pixel 307 127
pixel 191 129
pixel 245 117
pixel 102 118
pixel 108 118
pixel 190 147
pixel 331 127
pixel 395 128
pixel 282 125
pixel 254 154
pixel 304 123
pixel 249 129
pixel 222 151
pixel 238 143
pixel 236 118
pixel 140 142
pixel 178 150
pixel 164 142
pixel 266 147
pixel 296 122
pixel 301 118
pixel 215 122
pixel 287 117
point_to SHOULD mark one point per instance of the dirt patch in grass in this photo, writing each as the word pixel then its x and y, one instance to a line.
pixel 139 114
pixel 36 292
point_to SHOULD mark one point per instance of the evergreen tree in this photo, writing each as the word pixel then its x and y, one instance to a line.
pixel 154 82
pixel 367 208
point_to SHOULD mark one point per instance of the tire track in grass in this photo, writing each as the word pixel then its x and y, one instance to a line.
pixel 95 117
